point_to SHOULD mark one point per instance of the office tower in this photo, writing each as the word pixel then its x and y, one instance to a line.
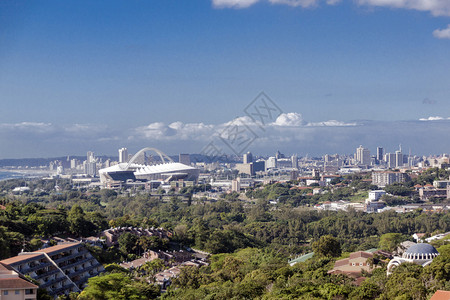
pixel 248 158
pixel 294 160
pixel 362 155
pixel 398 158
pixel 184 159
pixel 390 159
pixel 379 154
pixel 123 155
pixel 90 157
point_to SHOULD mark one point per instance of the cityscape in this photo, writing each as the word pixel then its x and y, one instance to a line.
pixel 225 149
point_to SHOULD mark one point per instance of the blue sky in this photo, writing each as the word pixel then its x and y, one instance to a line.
pixel 100 75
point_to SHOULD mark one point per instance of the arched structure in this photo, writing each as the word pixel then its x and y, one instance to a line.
pixel 163 172
pixel 420 254
pixel 161 154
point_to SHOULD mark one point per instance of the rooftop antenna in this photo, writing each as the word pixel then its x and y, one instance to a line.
pixel 400 147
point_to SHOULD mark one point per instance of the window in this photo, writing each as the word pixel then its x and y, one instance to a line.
pixel 5 293
pixel 29 292
pixel 17 292
pixel 361 264
pixel 353 264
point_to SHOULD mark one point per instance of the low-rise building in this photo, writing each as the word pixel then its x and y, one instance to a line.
pixel 354 264
pixel 13 286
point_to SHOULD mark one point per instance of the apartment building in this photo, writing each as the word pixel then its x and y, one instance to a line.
pixel 60 269
pixel 14 287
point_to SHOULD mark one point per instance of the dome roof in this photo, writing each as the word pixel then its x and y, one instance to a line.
pixel 420 251
pixel 422 248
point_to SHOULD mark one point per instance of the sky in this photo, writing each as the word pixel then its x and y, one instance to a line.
pixel 175 75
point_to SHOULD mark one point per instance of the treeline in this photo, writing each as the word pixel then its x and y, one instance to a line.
pixel 258 274
pixel 22 225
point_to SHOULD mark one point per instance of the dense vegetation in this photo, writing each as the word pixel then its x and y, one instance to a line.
pixel 251 241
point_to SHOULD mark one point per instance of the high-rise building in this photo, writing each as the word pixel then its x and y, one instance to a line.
pixel 248 158
pixel 90 157
pixel 363 155
pixel 390 159
pixel 294 159
pixel 123 155
pixel 398 158
pixel 184 159
pixel 380 151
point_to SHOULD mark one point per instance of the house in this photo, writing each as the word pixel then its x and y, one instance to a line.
pixel 14 286
pixel 60 269
pixel 354 264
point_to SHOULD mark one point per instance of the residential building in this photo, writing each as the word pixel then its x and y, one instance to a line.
pixel 354 264
pixel 123 155
pixel 60 269
pixel 362 156
pixel 13 286
pixel 248 158
pixel 382 179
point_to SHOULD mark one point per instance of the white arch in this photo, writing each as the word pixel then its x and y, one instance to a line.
pixel 161 154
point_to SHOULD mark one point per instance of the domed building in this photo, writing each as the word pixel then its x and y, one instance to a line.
pixel 420 254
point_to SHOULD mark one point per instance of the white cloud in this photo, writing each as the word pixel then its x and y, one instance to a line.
pixel 332 123
pixel 233 3
pixel 436 118
pixel 436 7
pixel 442 33
pixel 333 2
pixel 301 3
pixel 289 119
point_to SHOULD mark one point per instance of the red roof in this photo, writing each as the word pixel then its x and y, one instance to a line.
pixel 441 295
pixel 16 283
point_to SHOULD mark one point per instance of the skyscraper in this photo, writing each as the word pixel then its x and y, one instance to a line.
pixel 380 154
pixel 363 155
pixel 123 155
pixel 294 159
pixel 398 158
pixel 248 158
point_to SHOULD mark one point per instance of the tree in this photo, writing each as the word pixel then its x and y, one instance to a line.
pixel 327 245
pixel 390 241
pixel 115 286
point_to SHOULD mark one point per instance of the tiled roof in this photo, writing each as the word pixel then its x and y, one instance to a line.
pixel 20 258
pixel 16 283
pixel 441 295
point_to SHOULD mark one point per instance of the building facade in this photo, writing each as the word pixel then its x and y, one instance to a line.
pixel 60 269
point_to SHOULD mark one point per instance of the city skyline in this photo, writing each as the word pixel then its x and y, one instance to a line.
pixel 78 76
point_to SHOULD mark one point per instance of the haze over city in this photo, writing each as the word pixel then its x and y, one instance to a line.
pixel 78 75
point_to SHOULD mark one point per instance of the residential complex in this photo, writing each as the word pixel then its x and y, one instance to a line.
pixel 59 269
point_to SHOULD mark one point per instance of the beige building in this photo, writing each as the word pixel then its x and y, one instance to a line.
pixel 353 265
pixel 15 287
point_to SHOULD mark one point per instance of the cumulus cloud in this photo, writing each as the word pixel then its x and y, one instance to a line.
pixel 289 133
pixel 436 118
pixel 289 119
pixel 442 33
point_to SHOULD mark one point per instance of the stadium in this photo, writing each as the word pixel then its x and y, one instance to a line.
pixel 166 171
